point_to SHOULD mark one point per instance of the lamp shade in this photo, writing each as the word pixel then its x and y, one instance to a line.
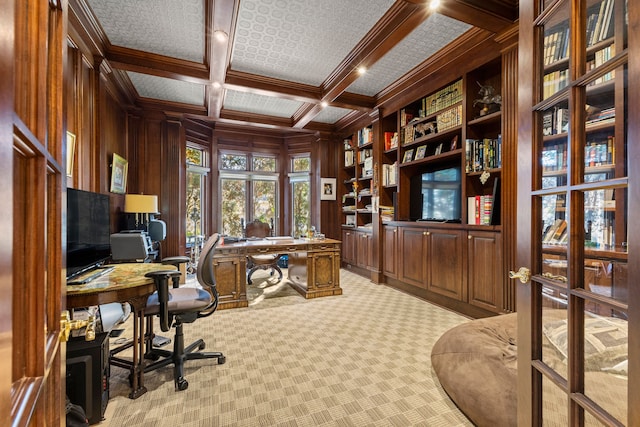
pixel 140 203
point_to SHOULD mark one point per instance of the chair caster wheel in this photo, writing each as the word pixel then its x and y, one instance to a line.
pixel 221 360
pixel 202 346
pixel 182 384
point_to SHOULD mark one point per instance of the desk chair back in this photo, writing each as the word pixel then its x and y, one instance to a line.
pixel 205 273
pixel 258 228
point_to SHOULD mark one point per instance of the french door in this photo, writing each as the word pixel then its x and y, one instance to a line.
pixel 578 303
pixel 32 174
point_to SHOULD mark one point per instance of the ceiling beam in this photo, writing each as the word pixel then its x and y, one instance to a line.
pixel 397 22
pixel 220 18
pixel 157 65
pixel 491 15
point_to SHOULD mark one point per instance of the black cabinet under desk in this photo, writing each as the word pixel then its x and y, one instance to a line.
pixel 88 375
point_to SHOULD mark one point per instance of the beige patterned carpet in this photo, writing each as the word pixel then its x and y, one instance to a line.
pixel 359 359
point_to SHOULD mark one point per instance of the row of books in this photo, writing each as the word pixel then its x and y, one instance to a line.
pixel 445 97
pixel 556 233
pixel 449 119
pixel 348 158
pixel 554 82
pixel 390 140
pixel 365 136
pixel 596 153
pixel 390 174
pixel 599 22
pixel 600 57
pixel 479 210
pixel 555 121
pixel 386 213
pixel 599 116
pixel 599 27
pixel 483 154
pixel 364 154
pixel 555 44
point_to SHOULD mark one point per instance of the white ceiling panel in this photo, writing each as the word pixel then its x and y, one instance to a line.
pixel 260 104
pixel 172 28
pixel 431 36
pixel 300 40
pixel 167 89
pixel 331 115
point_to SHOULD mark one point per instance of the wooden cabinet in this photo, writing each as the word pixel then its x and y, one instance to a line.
pixel 432 259
pixel 445 265
pixel 390 251
pixel 230 269
pixel 484 271
pixel 364 252
pixel 413 256
pixel 349 246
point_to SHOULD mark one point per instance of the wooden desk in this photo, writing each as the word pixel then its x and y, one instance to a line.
pixel 314 267
pixel 126 283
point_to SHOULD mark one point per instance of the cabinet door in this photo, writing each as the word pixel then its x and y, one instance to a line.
pixel 363 249
pixel 348 246
pixel 390 249
pixel 412 260
pixel 484 254
pixel 445 274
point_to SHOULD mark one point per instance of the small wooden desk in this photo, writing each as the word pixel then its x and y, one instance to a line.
pixel 126 283
pixel 314 267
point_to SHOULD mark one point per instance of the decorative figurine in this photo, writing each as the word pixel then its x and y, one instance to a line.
pixel 489 99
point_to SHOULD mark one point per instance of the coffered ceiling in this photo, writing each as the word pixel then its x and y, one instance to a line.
pixel 289 64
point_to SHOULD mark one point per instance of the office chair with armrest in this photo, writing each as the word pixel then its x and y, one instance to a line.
pixel 261 229
pixel 176 306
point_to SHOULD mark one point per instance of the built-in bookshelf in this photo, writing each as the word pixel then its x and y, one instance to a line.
pixel 357 178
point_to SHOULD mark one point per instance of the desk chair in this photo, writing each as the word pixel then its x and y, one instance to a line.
pixel 182 305
pixel 261 229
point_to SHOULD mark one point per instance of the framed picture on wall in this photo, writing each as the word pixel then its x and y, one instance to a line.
pixel 119 167
pixel 327 188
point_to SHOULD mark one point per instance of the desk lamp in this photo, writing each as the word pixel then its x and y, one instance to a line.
pixel 142 205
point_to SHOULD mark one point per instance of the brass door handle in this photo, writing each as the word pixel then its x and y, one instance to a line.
pixel 523 273
pixel 67 325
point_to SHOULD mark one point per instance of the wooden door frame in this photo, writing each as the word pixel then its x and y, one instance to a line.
pixel 6 194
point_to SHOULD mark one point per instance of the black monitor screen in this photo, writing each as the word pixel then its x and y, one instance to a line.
pixel 436 195
pixel 88 230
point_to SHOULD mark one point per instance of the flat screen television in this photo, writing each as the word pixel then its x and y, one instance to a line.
pixel 88 231
pixel 436 195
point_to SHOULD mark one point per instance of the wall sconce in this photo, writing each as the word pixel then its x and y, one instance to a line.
pixel 141 204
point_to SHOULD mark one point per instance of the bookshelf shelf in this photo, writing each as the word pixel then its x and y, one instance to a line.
pixel 490 118
pixel 433 159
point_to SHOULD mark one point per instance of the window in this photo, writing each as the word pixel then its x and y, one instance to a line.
pixel 196 173
pixel 242 175
pixel 300 194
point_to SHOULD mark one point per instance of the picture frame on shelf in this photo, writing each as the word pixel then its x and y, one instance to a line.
pixel 439 149
pixel 327 189
pixel 421 152
pixel 408 156
pixel 119 169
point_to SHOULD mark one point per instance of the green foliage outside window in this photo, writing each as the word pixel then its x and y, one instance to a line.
pixel 301 164
pixel 233 206
pixel 237 162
